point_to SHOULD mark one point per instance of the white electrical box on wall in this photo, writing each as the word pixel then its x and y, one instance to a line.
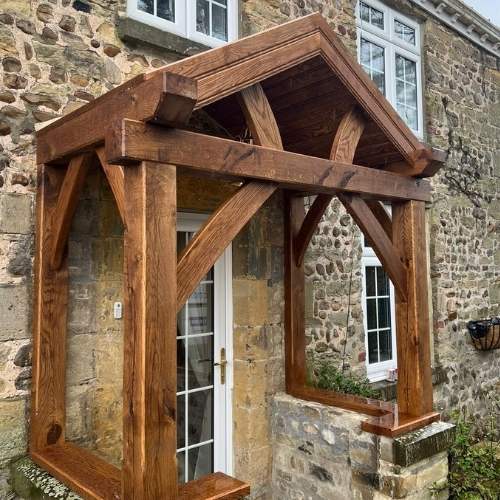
pixel 117 310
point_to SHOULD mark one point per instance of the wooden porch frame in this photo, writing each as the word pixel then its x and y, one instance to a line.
pixel 141 148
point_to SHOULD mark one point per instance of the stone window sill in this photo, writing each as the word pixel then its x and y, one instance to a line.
pixel 130 30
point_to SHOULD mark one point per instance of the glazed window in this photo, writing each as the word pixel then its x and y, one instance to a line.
pixel 210 22
pixel 389 51
pixel 379 319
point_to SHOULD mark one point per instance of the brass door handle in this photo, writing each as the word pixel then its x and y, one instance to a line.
pixel 222 363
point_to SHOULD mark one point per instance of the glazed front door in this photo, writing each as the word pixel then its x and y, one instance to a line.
pixel 204 368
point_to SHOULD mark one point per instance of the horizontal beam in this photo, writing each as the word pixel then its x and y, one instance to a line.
pixel 132 141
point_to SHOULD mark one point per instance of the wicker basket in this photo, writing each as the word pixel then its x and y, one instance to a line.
pixel 485 334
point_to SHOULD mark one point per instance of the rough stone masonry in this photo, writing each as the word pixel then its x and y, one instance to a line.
pixel 56 55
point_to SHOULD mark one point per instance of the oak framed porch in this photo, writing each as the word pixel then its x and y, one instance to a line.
pixel 275 84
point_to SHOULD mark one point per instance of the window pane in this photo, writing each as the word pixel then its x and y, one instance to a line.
pixel 410 71
pixel 373 61
pixel 181 467
pixel 365 12
pixel 385 344
pixel 202 17
pixel 166 9
pixel 406 90
pixel 181 365
pixel 382 282
pixel 200 425
pixel 371 313
pixel 200 461
pixel 219 22
pixel 384 313
pixel 181 422
pixel 201 362
pixel 146 6
pixel 372 347
pixel 377 18
pixel 404 32
pixel 200 308
pixel 370 282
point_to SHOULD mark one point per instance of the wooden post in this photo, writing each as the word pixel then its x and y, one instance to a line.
pixel 50 312
pixel 150 366
pixel 295 344
pixel 412 315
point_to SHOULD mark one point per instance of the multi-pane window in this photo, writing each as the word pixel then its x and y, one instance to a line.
pixel 210 22
pixel 195 379
pixel 379 322
pixel 389 51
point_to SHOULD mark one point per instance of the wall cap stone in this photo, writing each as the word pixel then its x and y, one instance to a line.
pixel 423 443
pixel 131 30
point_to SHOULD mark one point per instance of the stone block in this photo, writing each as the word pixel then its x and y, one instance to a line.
pixel 12 429
pixel 14 312
pixel 15 213
pixel 80 363
pixel 250 299
pixel 423 443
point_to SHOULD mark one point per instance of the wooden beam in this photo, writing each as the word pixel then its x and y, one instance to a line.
pixel 216 234
pixel 116 179
pixel 295 341
pixel 150 363
pixel 382 215
pixel 135 141
pixel 216 486
pixel 388 254
pixel 412 311
pixel 66 205
pixel 49 321
pixel 166 95
pixel 260 117
pixel 344 146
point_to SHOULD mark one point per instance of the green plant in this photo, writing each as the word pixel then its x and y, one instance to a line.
pixel 327 376
pixel 473 460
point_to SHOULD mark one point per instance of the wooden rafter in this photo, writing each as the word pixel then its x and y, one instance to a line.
pixel 136 141
pixel 343 149
pixel 66 205
pixel 116 179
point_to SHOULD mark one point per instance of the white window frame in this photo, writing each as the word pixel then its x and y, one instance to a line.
pixel 185 21
pixel 393 45
pixel 377 371
pixel 223 322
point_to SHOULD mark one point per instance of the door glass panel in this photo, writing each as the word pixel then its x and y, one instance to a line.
pixel 195 361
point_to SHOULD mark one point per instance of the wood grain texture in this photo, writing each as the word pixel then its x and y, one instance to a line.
pixel 295 335
pixel 80 470
pixel 388 254
pixel 343 149
pixel 66 205
pixel 395 424
pixel 260 117
pixel 412 311
pixel 150 373
pixel 49 321
pixel 382 215
pixel 216 234
pixel 216 486
pixel 137 141
pixel 116 179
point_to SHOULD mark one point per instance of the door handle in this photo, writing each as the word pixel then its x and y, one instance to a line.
pixel 222 363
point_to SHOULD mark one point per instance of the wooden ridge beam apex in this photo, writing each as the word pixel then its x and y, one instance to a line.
pixel 132 141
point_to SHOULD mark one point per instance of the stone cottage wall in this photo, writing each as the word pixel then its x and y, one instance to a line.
pixel 56 55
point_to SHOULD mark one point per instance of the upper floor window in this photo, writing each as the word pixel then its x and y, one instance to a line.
pixel 389 51
pixel 210 22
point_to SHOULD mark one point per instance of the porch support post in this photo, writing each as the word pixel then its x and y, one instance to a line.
pixel 295 344
pixel 414 393
pixel 50 313
pixel 150 363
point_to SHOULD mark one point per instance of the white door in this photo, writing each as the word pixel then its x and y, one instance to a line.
pixel 204 381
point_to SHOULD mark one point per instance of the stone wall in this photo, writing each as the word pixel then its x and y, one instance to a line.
pixel 323 451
